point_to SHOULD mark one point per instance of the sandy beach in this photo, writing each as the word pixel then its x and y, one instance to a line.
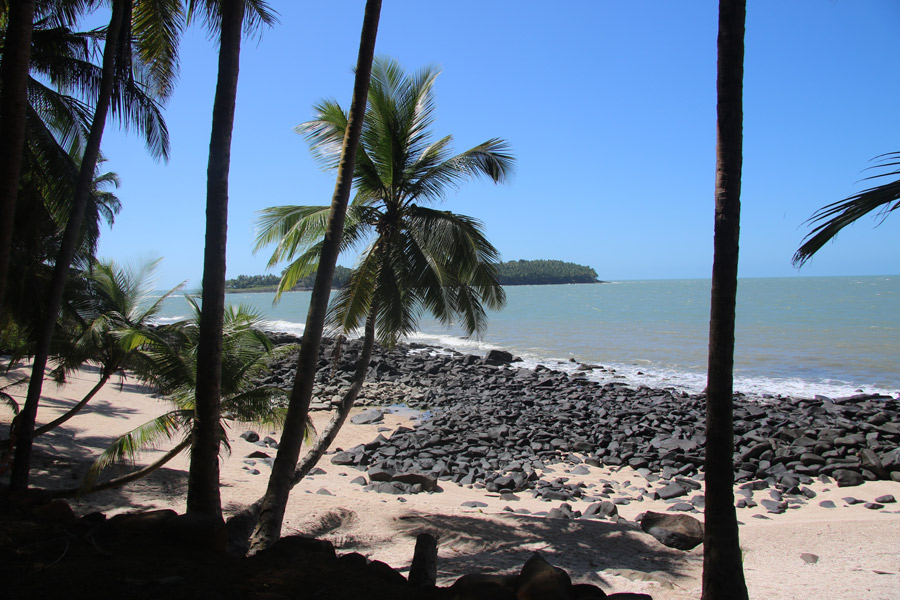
pixel 857 549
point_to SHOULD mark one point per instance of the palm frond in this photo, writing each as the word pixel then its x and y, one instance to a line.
pixel 832 218
pixel 129 445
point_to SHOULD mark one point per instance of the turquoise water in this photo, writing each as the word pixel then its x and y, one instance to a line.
pixel 795 336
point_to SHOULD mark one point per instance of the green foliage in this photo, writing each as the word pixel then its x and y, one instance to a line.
pixel 269 283
pixel 543 272
pixel 169 363
pixel 414 258
pixel 832 218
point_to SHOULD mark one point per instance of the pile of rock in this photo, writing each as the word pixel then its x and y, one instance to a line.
pixel 497 425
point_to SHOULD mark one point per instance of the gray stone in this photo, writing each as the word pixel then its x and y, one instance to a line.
pixel 847 478
pixel 675 531
pixel 368 417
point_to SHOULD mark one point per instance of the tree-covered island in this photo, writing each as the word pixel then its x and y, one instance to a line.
pixel 514 272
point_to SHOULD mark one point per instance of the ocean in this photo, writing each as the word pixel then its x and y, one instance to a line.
pixel 797 336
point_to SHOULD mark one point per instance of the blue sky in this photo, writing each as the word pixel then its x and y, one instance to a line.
pixel 609 107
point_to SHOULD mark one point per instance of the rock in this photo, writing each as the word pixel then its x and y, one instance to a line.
pixel 342 458
pixel 428 484
pixel 193 530
pixel 827 504
pixel 257 454
pixel 847 478
pixel 603 509
pixel 423 570
pixel 55 511
pixel 473 504
pixel 539 580
pixel 886 499
pixel 377 473
pixel 809 559
pixel 498 357
pixel 250 436
pixel 873 506
pixel 675 531
pixel 673 490
pixel 368 417
pixel 386 573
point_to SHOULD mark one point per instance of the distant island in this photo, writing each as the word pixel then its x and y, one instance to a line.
pixel 514 272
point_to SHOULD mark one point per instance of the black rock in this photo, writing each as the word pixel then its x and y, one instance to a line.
pixel 250 436
pixel 368 417
pixel 847 478
pixel 675 531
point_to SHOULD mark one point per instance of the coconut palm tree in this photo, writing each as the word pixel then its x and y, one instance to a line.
pixel 832 218
pixel 417 258
pixel 280 481
pixel 119 63
pixel 168 362
pixel 114 318
pixel 226 19
pixel 723 574
pixel 13 101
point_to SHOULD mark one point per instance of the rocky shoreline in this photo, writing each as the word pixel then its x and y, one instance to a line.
pixel 495 425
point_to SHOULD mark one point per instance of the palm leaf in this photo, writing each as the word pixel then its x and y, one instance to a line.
pixel 831 219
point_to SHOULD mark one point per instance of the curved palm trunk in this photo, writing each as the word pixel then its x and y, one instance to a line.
pixel 723 575
pixel 25 425
pixel 260 540
pixel 272 513
pixel 203 482
pixel 125 479
pixel 75 409
pixel 13 103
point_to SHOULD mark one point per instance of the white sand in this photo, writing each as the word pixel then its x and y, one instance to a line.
pixel 858 549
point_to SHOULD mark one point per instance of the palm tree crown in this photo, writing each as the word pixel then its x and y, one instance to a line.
pixel 417 258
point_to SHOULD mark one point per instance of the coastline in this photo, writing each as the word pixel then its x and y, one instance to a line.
pixel 856 546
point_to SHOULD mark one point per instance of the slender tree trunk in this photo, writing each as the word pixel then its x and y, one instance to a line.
pixel 241 525
pixel 125 479
pixel 75 409
pixel 68 246
pixel 723 575
pixel 203 482
pixel 13 103
pixel 271 516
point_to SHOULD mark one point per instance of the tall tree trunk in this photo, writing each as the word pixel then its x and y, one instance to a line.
pixel 723 575
pixel 77 408
pixel 260 540
pixel 68 246
pixel 13 103
pixel 124 479
pixel 203 481
pixel 272 514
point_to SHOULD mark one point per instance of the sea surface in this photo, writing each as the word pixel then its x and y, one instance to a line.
pixel 798 336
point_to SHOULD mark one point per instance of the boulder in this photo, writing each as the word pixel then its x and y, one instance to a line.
pixel 498 357
pixel 368 417
pixel 679 531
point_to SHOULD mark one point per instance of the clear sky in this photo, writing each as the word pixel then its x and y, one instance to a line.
pixel 609 107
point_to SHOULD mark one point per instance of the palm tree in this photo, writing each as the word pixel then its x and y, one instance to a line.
pixel 226 18
pixel 13 101
pixel 271 515
pixel 723 575
pixel 168 362
pixel 418 258
pixel 835 216
pixel 115 316
pixel 120 64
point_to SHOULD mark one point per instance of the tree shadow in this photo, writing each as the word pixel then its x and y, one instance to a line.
pixel 585 548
